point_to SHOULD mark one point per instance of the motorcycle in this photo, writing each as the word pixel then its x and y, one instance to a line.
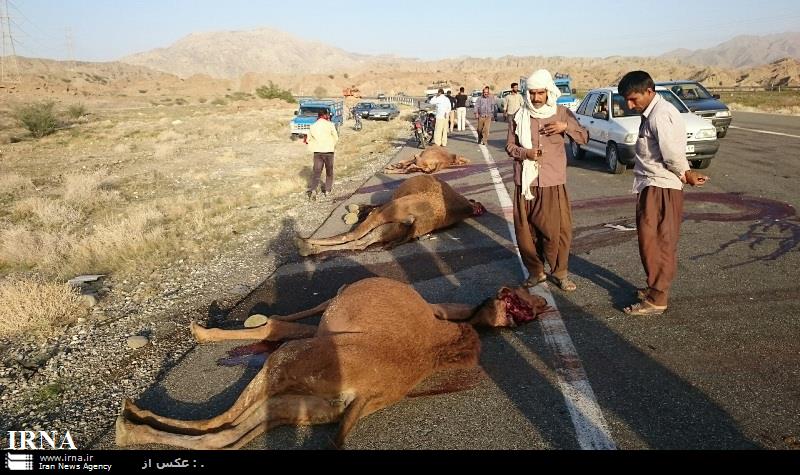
pixel 357 117
pixel 424 125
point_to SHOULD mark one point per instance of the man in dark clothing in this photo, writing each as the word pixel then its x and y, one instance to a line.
pixel 461 109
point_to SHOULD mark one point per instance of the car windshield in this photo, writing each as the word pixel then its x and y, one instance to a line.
pixel 621 110
pixel 312 111
pixel 385 106
pixel 364 105
pixel 564 89
pixel 690 91
pixel 477 94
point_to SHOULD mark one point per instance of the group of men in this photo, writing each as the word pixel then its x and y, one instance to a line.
pixel 537 130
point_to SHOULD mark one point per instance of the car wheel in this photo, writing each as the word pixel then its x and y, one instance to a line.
pixel 577 152
pixel 704 163
pixel 612 159
pixel 722 134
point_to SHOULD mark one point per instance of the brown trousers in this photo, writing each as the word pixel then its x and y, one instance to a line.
pixel 543 228
pixel 484 125
pixel 320 159
pixel 659 212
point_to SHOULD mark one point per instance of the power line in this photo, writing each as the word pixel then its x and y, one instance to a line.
pixel 8 72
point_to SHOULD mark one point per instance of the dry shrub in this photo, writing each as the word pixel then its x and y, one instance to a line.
pixel 13 183
pixel 164 150
pixel 33 306
pixel 23 247
pixel 170 136
pixel 88 190
pixel 117 243
pixel 49 213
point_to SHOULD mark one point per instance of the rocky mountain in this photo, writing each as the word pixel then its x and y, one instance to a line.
pixel 743 51
pixel 230 54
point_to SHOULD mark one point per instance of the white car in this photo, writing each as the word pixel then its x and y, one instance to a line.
pixel 613 129
pixel 473 98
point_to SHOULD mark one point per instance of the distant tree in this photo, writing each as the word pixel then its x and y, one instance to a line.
pixel 39 118
pixel 273 91
pixel 346 76
pixel 331 76
pixel 320 91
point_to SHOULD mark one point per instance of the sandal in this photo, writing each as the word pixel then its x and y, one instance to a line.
pixel 644 308
pixel 533 282
pixel 642 294
pixel 564 283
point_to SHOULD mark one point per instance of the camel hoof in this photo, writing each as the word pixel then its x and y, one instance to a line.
pixel 303 247
pixel 122 432
pixel 353 208
pixel 350 218
pixel 197 332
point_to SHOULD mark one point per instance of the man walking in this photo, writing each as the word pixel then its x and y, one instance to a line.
pixel 660 171
pixel 322 138
pixel 513 102
pixel 542 213
pixel 461 109
pixel 485 108
pixel 442 104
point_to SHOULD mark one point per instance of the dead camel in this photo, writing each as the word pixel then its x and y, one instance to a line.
pixel 376 341
pixel 420 205
pixel 431 160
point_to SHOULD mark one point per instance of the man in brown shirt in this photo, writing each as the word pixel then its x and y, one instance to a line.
pixel 659 175
pixel 542 213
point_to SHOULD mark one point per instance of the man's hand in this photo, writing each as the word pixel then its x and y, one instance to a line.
pixel 554 128
pixel 533 154
pixel 694 178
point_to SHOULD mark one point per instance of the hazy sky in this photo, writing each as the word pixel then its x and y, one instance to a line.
pixel 106 30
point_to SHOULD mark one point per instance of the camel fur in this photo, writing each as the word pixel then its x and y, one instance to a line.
pixel 420 205
pixel 377 340
pixel 431 160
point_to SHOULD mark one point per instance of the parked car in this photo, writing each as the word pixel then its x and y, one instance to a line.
pixel 702 103
pixel 613 129
pixel 386 111
pixel 473 98
pixel 363 108
pixel 381 96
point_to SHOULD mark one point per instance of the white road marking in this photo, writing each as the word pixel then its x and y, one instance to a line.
pixel 765 132
pixel 591 428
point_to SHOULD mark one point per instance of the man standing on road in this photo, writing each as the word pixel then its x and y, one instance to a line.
pixel 485 108
pixel 442 104
pixel 513 102
pixel 660 171
pixel 451 116
pixel 321 139
pixel 461 109
pixel 542 213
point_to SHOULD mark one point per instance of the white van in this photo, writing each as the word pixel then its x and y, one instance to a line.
pixel 613 129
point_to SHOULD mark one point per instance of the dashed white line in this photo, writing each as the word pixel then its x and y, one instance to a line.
pixel 591 428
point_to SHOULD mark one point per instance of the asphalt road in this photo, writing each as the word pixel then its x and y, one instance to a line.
pixel 717 371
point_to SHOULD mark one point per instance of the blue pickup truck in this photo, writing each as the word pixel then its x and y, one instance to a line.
pixel 568 98
pixel 308 113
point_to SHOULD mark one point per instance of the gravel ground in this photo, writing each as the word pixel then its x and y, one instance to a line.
pixel 77 380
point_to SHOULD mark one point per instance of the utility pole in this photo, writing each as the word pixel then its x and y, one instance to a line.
pixel 70 43
pixel 9 70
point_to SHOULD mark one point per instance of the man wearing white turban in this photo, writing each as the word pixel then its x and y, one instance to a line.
pixel 542 213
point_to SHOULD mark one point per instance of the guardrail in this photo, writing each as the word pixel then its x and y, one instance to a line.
pixel 400 99
pixel 752 88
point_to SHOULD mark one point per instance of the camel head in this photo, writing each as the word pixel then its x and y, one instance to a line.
pixel 477 208
pixel 511 307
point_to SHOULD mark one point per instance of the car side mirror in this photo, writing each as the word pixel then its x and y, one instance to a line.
pixel 574 91
pixel 715 96
pixel 600 115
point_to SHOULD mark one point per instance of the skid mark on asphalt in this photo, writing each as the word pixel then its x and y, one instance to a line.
pixel 591 428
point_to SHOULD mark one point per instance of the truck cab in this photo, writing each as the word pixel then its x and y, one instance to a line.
pixel 308 112
pixel 568 98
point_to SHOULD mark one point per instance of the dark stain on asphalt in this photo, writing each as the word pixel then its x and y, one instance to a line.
pixel 773 223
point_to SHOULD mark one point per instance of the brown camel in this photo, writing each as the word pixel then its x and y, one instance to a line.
pixel 431 160
pixel 376 341
pixel 420 205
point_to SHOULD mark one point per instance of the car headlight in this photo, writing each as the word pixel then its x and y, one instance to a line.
pixel 706 134
pixel 630 138
pixel 723 114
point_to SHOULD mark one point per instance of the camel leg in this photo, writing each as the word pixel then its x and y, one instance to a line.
pixel 360 408
pixel 274 330
pixel 389 232
pixel 279 410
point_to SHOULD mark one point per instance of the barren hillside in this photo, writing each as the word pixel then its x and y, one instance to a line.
pixel 744 51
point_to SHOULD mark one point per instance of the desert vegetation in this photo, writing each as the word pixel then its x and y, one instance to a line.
pixel 131 191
